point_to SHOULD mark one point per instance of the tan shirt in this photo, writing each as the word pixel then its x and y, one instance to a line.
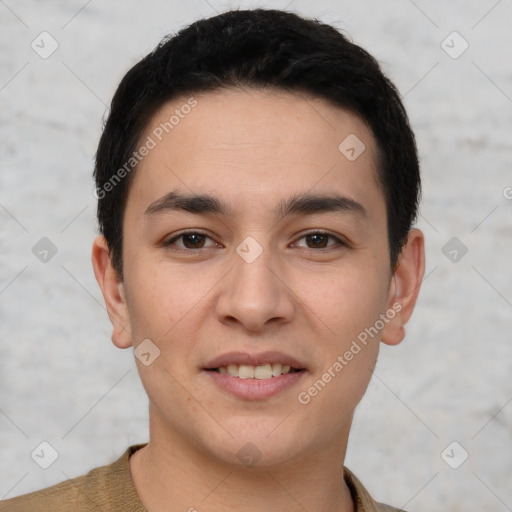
pixel 110 489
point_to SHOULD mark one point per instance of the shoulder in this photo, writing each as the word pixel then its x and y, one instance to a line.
pixel 100 489
pixel 363 499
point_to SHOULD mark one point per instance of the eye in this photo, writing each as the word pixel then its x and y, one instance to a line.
pixel 196 240
pixel 318 239
pixel 191 240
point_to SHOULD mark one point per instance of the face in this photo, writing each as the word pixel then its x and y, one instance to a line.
pixel 284 264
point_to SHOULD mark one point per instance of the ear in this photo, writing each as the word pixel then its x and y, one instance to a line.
pixel 112 288
pixel 405 286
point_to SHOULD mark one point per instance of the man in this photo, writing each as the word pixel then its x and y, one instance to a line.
pixel 257 182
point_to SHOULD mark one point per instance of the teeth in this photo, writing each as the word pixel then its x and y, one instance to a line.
pixel 246 372
pixel 232 369
pixel 262 372
pixel 276 369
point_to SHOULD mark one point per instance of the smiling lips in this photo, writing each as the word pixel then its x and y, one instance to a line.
pixel 263 365
pixel 261 372
pixel 254 376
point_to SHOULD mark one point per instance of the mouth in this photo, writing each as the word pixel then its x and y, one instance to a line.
pixel 260 372
pixel 254 376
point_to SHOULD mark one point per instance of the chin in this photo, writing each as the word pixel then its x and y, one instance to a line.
pixel 257 444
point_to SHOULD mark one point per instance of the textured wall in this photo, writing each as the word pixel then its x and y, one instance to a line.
pixel 61 379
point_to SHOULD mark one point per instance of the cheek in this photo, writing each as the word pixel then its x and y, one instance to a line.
pixel 331 398
pixel 347 300
pixel 349 305
pixel 161 297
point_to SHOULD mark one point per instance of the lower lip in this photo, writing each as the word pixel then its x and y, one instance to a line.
pixel 254 389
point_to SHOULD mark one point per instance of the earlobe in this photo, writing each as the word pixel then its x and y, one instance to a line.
pixel 112 288
pixel 405 287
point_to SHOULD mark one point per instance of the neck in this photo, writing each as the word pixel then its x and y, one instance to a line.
pixel 171 473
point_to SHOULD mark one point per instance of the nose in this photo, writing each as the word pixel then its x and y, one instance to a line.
pixel 255 294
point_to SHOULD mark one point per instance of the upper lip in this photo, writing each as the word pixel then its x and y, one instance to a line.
pixel 254 359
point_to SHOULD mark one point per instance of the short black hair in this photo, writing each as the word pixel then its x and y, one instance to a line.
pixel 264 49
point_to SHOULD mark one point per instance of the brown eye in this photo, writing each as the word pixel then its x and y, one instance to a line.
pixel 193 240
pixel 190 240
pixel 319 240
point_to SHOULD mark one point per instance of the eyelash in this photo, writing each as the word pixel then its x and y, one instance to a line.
pixel 170 242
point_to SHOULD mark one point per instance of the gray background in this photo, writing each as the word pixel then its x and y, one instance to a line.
pixel 61 379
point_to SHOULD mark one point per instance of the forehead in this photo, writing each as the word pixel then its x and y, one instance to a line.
pixel 255 145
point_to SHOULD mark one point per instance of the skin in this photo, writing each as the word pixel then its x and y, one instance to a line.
pixel 307 298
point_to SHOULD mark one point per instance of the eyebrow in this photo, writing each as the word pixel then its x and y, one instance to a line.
pixel 301 204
